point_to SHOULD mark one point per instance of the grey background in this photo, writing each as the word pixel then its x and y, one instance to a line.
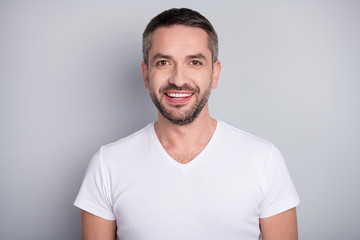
pixel 70 81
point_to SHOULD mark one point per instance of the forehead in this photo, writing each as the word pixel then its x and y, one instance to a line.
pixel 179 39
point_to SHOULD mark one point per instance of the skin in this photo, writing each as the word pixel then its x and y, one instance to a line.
pixel 96 228
pixel 180 56
pixel 282 226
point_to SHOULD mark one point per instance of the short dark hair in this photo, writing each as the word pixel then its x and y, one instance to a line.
pixel 180 16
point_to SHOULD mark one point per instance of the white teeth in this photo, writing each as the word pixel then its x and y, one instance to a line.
pixel 179 95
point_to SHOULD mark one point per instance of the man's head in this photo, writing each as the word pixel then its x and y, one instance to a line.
pixel 180 16
pixel 180 66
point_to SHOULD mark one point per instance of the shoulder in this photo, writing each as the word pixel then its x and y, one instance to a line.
pixel 128 147
pixel 240 139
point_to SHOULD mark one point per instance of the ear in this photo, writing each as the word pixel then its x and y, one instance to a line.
pixel 216 73
pixel 145 74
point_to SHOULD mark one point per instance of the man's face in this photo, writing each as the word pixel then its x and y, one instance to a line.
pixel 180 74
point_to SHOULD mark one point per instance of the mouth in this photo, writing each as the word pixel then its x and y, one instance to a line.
pixel 178 97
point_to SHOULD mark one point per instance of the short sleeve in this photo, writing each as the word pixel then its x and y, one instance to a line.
pixel 95 195
pixel 279 193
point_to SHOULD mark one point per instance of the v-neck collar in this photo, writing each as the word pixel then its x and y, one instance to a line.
pixel 196 160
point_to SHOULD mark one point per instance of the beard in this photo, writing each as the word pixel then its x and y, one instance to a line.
pixel 174 116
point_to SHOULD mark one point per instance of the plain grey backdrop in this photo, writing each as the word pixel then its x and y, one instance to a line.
pixel 70 81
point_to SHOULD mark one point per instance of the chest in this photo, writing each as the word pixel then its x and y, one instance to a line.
pixel 221 200
pixel 184 155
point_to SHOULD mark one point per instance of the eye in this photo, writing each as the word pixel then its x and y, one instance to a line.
pixel 162 63
pixel 195 63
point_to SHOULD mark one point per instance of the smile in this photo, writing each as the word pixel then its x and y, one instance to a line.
pixel 178 98
pixel 179 95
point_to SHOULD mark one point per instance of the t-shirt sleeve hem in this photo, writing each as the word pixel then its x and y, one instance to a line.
pixel 91 208
pixel 280 207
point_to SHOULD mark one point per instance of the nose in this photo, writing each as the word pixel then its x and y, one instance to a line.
pixel 178 76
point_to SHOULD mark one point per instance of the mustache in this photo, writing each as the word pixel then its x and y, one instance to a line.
pixel 184 87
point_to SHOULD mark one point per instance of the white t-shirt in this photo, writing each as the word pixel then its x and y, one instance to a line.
pixel 221 194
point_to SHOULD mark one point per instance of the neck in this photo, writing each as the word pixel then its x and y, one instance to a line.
pixel 195 134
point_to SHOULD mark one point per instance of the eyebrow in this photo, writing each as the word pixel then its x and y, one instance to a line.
pixel 199 56
pixel 160 55
pixel 163 56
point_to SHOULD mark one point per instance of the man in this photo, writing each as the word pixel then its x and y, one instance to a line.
pixel 187 176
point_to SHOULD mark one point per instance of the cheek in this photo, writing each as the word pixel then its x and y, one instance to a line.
pixel 154 83
pixel 158 78
pixel 202 78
